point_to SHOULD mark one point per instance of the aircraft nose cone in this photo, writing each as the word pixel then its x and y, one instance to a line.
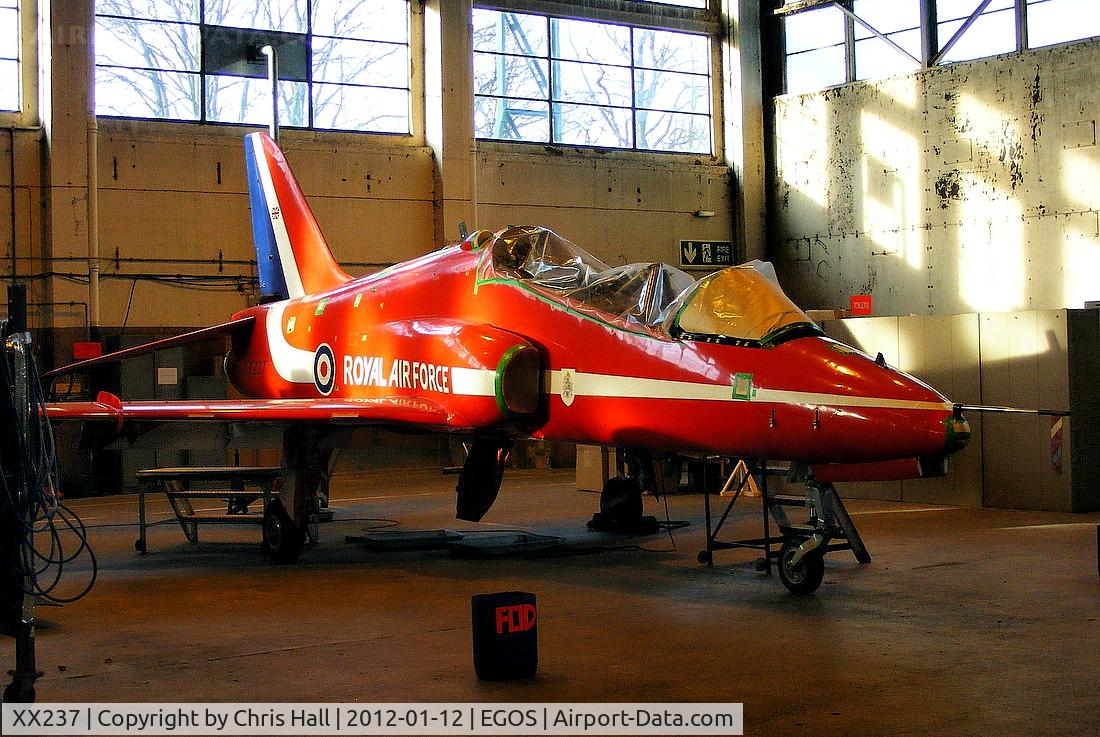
pixel 957 432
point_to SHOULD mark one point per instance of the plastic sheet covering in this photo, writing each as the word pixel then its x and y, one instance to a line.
pixel 742 302
pixel 638 297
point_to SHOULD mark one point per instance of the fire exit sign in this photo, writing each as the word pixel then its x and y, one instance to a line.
pixel 706 253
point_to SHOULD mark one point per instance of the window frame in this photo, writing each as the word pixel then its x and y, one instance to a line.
pixel 934 47
pixel 413 45
pixel 27 78
pixel 634 15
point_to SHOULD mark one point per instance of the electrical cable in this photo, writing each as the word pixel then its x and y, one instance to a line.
pixel 129 304
pixel 240 283
pixel 155 523
pixel 668 526
pixel 52 537
pixel 384 524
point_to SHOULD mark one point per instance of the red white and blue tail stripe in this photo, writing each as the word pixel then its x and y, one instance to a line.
pixel 292 257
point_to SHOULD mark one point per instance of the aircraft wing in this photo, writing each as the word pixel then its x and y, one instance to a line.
pixel 397 411
pixel 195 336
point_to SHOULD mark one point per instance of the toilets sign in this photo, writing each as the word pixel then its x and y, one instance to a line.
pixel 706 253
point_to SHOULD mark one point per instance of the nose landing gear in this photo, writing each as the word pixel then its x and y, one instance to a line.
pixel 802 547
pixel 800 572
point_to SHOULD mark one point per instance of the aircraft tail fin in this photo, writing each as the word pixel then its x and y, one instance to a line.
pixel 291 254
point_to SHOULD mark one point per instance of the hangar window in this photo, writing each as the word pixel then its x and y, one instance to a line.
pixel 815 49
pixel 831 42
pixel 559 80
pixel 1057 21
pixel 991 32
pixel 344 64
pixel 9 55
pixel 887 37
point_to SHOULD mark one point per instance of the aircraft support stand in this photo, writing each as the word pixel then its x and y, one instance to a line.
pixel 801 547
pixel 235 486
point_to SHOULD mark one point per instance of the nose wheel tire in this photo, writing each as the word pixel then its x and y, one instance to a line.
pixel 805 576
pixel 282 538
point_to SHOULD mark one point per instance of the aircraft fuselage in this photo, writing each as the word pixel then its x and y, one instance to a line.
pixel 494 354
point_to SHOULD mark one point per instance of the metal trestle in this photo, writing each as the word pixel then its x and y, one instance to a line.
pixel 828 523
pixel 237 487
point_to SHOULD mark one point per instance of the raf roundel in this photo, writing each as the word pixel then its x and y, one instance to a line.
pixel 324 369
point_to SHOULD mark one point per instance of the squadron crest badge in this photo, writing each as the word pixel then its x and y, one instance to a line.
pixel 567 387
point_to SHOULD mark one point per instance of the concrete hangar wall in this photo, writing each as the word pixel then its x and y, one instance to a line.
pixel 172 199
pixel 964 199
pixel 973 187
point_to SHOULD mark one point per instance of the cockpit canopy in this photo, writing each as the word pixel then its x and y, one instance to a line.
pixel 742 304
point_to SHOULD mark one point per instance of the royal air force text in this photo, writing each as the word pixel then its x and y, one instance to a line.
pixel 399 374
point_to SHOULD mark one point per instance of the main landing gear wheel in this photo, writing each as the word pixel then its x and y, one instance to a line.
pixel 805 576
pixel 282 538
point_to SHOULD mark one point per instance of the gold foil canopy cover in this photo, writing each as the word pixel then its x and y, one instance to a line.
pixel 742 302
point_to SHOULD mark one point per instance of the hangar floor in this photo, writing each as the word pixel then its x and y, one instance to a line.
pixel 968 621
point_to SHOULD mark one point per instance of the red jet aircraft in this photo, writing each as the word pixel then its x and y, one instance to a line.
pixel 520 333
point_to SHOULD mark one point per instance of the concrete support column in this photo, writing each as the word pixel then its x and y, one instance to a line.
pixel 66 30
pixel 743 102
pixel 448 116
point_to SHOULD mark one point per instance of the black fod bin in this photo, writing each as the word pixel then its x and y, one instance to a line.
pixel 505 629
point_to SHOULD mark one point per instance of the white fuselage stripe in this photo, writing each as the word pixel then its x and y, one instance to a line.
pixel 278 225
pixel 470 382
pixel 292 364
pixel 629 387
pixel 295 365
